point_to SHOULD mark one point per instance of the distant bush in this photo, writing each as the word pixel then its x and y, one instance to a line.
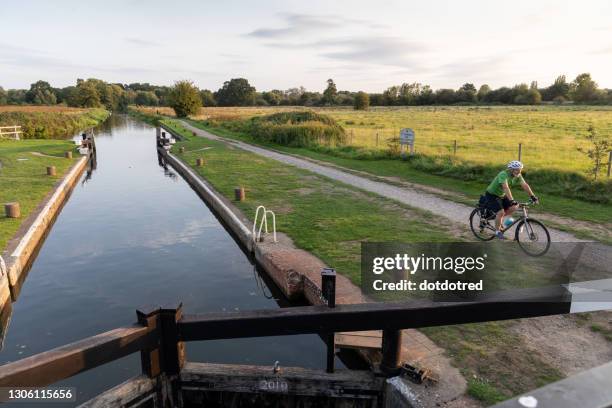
pixel 297 129
pixel 52 125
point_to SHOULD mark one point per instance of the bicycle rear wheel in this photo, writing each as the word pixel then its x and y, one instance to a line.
pixel 481 227
pixel 533 237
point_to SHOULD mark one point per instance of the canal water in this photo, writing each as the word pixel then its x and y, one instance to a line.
pixel 132 235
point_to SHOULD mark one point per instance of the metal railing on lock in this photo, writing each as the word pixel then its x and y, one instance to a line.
pixel 263 224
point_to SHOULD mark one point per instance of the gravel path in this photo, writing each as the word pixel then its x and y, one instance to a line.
pixel 429 202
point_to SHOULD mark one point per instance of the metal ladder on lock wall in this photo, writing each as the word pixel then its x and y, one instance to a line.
pixel 263 224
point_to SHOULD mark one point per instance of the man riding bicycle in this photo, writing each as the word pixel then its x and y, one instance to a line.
pixel 498 196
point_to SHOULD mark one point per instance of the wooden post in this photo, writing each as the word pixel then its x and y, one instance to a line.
pixel 455 147
pixel 172 350
pixel 328 289
pixel 520 152
pixel 239 194
pixel 199 162
pixel 182 149
pixel 391 351
pixel 376 139
pixel 149 358
pixel 609 163
pixel 12 210
pixel 169 355
pixel 51 171
pixel 68 155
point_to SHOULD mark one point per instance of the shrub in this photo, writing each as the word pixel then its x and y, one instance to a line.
pixel 297 129
pixel 52 125
pixel 185 99
pixel 362 101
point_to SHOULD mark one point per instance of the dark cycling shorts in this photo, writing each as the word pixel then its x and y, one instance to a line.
pixel 495 203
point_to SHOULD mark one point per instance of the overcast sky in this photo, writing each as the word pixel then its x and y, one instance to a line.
pixel 362 45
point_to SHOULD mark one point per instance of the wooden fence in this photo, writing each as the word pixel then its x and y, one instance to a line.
pixel 159 334
pixel 11 132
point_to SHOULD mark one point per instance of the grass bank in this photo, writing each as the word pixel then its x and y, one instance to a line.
pixel 23 176
pixel 330 220
pixel 50 122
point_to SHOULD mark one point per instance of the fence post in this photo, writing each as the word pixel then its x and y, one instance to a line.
pixel 520 152
pixel 168 357
pixel 455 147
pixel 150 359
pixel 609 163
pixel 328 287
pixel 391 351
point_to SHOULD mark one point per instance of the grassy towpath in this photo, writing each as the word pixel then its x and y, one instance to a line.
pixel 579 219
pixel 330 219
pixel 440 207
pixel 23 176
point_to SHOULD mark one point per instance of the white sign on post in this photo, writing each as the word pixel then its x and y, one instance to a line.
pixel 407 138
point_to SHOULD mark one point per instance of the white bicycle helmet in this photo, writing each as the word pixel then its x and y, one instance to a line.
pixel 515 164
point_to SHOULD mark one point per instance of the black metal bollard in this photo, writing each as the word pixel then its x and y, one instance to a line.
pixel 328 289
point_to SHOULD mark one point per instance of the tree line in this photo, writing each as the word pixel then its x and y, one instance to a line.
pixel 239 92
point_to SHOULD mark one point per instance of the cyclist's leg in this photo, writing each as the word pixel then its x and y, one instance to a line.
pixel 508 209
pixel 494 205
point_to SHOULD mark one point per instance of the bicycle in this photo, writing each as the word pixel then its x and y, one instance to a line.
pixel 530 234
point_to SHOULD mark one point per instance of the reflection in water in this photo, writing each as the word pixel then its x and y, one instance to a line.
pixel 161 160
pixel 132 235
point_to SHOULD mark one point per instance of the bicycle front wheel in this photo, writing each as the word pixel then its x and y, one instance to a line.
pixel 533 237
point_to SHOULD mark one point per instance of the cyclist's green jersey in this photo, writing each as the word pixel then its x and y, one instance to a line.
pixel 495 187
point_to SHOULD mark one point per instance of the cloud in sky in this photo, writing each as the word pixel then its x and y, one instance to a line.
pixel 365 46
pixel 141 42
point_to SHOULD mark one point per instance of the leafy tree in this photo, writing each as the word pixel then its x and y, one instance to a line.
pixel 274 97
pixel 427 96
pixel 208 99
pixel 146 98
pixel 377 99
pixel 558 91
pixel 408 94
pixel 16 96
pixel 467 93
pixel 329 95
pixel 41 93
pixel 500 95
pixel 236 92
pixel 362 101
pixel 3 96
pixel 310 98
pixel 600 146
pixel 445 96
pixel 185 98
pixel 391 95
pixel 482 92
pixel 583 89
pixel 87 95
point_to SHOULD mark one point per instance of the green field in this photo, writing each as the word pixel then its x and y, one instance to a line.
pixel 23 176
pixel 550 135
